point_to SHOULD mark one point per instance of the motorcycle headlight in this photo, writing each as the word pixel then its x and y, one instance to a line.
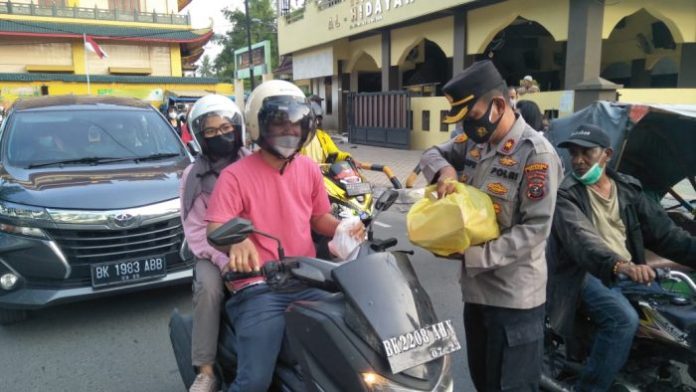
pixel 377 383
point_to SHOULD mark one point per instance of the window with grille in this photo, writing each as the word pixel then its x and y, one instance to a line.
pixel 426 120
pixel 50 3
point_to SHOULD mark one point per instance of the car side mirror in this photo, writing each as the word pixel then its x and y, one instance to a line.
pixel 386 199
pixel 232 232
pixel 193 148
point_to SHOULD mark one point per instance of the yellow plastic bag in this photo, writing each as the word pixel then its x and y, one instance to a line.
pixel 453 223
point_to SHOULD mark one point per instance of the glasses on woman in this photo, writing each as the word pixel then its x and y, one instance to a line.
pixel 221 130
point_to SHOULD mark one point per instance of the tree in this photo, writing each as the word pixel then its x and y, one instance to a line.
pixel 263 24
pixel 206 68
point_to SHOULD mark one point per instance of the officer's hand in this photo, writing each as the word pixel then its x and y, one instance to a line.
pixel 244 257
pixel 639 273
pixel 447 181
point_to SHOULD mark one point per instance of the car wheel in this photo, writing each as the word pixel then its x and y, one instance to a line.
pixel 11 316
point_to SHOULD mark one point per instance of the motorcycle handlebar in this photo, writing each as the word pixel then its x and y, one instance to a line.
pixel 664 274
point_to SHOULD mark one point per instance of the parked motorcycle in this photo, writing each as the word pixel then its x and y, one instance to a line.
pixel 377 332
pixel 663 356
pixel 350 194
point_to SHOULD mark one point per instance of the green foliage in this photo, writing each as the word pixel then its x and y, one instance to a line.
pixel 206 68
pixel 263 22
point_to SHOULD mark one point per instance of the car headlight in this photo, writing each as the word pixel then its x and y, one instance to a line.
pixel 22 230
pixel 20 215
pixel 19 211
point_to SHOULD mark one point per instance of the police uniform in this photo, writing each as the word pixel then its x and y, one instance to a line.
pixel 504 280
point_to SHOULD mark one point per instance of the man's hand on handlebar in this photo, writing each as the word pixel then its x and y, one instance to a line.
pixel 244 257
pixel 639 273
pixel 447 181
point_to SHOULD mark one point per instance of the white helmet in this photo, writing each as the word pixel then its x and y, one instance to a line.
pixel 219 144
pixel 279 103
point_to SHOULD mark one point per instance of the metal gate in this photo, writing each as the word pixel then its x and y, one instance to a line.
pixel 380 119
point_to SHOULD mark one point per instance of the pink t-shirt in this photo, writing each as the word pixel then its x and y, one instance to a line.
pixel 280 205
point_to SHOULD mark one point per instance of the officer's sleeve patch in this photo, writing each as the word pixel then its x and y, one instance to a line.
pixel 536 174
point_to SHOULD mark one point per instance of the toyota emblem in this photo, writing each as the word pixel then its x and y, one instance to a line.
pixel 124 220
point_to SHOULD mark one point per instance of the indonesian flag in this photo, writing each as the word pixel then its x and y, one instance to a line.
pixel 92 46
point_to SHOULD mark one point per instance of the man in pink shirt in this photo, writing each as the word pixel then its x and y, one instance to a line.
pixel 282 193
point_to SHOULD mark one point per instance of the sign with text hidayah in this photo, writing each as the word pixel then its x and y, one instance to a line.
pixel 260 56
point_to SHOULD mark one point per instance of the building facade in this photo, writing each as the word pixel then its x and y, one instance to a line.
pixel 148 47
pixel 575 50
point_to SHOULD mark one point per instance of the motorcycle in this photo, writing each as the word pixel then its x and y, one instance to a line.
pixel 377 332
pixel 663 355
pixel 350 194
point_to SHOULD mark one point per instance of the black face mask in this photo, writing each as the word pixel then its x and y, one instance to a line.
pixel 480 130
pixel 222 146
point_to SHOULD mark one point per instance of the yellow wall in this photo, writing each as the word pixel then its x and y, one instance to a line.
pixel 563 100
pixel 317 26
pixel 372 46
pixel 439 31
pixel 622 45
pixel 421 139
pixel 15 55
pixel 157 58
pixel 678 15
pixel 484 23
pixel 659 95
pixel 161 6
pixel 175 60
pixel 153 93
pixel 78 58
pixel 26 18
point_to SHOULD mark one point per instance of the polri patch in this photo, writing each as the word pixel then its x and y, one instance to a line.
pixel 505 173
pixel 461 138
pixel 536 167
pixel 507 161
pixel 535 190
pixel 509 144
pixel 497 188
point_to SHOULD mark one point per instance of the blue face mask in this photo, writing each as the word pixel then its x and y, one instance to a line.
pixel 591 176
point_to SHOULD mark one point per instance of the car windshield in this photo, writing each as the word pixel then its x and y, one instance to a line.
pixel 35 139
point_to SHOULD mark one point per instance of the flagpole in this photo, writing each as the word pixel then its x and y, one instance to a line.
pixel 84 46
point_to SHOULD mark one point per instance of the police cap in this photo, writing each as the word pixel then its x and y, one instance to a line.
pixel 463 90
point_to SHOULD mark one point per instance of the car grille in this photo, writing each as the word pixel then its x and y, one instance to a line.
pixel 85 247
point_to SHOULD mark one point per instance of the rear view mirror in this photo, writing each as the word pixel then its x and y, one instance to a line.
pixel 386 199
pixel 232 232
pixel 192 146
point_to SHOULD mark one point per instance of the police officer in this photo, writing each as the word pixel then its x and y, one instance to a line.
pixel 504 280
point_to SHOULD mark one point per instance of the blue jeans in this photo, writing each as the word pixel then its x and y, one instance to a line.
pixel 616 323
pixel 257 316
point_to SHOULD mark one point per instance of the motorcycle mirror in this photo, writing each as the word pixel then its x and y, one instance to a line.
pixel 386 199
pixel 232 232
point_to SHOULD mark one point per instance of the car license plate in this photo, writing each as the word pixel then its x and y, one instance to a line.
pixel 421 346
pixel 357 189
pixel 121 272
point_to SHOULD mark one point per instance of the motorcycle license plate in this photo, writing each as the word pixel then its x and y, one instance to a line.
pixel 122 272
pixel 357 189
pixel 421 346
